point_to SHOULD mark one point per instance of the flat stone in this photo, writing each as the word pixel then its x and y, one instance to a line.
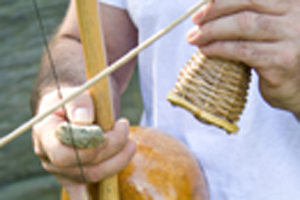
pixel 80 136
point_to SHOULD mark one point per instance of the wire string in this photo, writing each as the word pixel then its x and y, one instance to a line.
pixel 58 87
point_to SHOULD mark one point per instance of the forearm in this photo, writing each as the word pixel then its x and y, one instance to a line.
pixel 67 55
pixel 68 66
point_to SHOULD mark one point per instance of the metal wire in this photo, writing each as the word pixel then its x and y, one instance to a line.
pixel 56 78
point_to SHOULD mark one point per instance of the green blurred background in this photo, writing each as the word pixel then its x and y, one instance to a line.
pixel 21 176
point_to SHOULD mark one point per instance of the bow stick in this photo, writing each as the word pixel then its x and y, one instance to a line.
pixel 95 62
pixel 131 54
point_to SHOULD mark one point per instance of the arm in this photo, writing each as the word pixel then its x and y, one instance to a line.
pixel 66 52
pixel 99 162
pixel 262 34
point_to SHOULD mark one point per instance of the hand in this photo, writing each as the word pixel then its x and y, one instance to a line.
pixel 262 34
pixel 97 163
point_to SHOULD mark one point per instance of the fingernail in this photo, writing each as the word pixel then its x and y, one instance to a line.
pixel 125 122
pixel 82 116
pixel 197 18
pixel 192 33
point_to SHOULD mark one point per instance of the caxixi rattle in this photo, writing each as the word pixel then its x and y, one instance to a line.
pixel 214 90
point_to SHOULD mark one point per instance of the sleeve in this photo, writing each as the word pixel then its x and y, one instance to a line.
pixel 117 3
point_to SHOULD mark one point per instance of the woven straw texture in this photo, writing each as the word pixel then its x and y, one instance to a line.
pixel 213 89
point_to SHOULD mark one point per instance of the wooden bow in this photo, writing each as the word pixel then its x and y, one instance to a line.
pixel 95 62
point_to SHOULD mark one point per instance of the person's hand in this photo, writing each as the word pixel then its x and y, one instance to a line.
pixel 97 163
pixel 262 34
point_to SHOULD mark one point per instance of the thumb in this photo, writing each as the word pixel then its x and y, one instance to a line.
pixel 73 190
pixel 78 192
pixel 81 109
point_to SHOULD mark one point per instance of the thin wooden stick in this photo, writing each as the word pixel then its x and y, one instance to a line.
pixel 123 60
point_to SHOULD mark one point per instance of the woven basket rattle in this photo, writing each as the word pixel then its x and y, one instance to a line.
pixel 214 90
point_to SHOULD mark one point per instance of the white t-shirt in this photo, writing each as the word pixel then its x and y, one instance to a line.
pixel 260 162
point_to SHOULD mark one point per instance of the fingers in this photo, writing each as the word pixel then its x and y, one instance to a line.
pixel 252 53
pixel 240 26
pixel 239 20
pixel 76 191
pixel 261 34
pixel 260 55
pixel 81 109
pixel 62 160
pixel 95 172
pixel 63 156
pixel 97 163
pixel 248 31
pixel 219 8
pixel 116 139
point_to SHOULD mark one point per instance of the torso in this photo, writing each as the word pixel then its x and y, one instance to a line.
pixel 260 162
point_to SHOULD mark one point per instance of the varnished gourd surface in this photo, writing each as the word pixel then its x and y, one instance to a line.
pixel 161 169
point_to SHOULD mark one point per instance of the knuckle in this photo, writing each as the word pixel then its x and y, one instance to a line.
pixel 120 138
pixel 258 25
pixel 58 160
pixel 243 50
pixel 94 175
pixel 271 78
pixel 207 29
pixel 95 178
pixel 268 28
pixel 37 130
pixel 253 3
pixel 244 21
pixel 285 67
pixel 36 147
pixel 120 142
pixel 279 6
pixel 89 157
pixel 47 167
pixel 37 151
pixel 263 23
pixel 248 52
pixel 288 59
